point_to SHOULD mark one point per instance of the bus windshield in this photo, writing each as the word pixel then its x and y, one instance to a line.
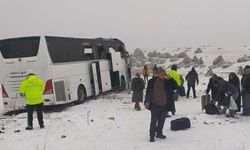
pixel 19 47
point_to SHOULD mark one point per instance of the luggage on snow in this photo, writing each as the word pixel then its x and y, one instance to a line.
pixel 205 100
pixel 181 91
pixel 180 124
pixel 211 109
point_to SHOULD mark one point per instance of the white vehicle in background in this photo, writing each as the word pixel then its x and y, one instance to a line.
pixel 72 68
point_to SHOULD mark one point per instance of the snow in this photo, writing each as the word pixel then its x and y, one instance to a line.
pixel 109 122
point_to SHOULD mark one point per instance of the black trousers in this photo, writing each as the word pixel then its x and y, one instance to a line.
pixel 158 115
pixel 39 109
pixel 193 88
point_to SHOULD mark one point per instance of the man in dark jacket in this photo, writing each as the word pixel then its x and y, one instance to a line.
pixel 214 89
pixel 245 84
pixel 228 89
pixel 137 86
pixel 170 107
pixel 157 96
pixel 192 79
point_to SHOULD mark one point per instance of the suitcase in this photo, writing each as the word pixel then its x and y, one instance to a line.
pixel 246 104
pixel 205 100
pixel 180 124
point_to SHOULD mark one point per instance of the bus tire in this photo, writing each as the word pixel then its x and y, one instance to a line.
pixel 81 94
pixel 122 84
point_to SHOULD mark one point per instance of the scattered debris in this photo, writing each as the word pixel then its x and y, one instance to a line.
pixel 16 131
pixel 111 118
pixel 63 136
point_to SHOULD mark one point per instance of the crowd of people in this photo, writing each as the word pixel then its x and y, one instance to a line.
pixel 164 88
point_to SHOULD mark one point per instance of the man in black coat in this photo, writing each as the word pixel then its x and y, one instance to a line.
pixel 192 79
pixel 137 86
pixel 157 96
pixel 214 89
pixel 245 84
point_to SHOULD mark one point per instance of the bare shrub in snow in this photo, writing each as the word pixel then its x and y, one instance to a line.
pixel 218 61
pixel 198 50
pixel 166 55
pixel 138 53
pixel 226 64
pixel 243 59
pixel 154 54
pixel 187 60
pixel 173 59
pixel 182 55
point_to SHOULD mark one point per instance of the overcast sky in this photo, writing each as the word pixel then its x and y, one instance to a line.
pixel 139 23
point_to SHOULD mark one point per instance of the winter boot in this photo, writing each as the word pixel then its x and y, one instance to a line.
pixel 152 139
pixel 29 128
pixel 160 136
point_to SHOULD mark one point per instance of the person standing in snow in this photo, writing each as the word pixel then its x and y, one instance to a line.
pixel 177 77
pixel 192 79
pixel 137 86
pixel 170 107
pixel 145 73
pixel 32 88
pixel 154 69
pixel 235 81
pixel 157 96
pixel 245 84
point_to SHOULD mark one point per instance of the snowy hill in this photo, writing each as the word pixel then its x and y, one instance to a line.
pixel 109 122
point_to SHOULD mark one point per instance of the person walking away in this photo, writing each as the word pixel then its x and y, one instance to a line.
pixel 235 81
pixel 157 96
pixel 145 73
pixel 192 79
pixel 137 86
pixel 177 77
pixel 245 84
pixel 232 93
pixel 214 89
pixel 32 88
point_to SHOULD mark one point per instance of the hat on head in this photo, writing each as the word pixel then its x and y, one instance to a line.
pixel 160 70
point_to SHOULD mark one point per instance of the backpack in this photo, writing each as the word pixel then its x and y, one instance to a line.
pixel 180 124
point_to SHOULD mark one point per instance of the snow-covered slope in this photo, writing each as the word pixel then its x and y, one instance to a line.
pixel 109 122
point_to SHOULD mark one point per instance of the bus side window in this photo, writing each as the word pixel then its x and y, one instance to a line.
pixel 88 54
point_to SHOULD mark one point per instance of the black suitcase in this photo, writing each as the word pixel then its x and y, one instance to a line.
pixel 205 100
pixel 180 124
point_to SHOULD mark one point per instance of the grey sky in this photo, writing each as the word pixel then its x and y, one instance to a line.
pixel 139 23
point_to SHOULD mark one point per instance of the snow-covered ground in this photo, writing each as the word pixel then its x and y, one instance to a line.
pixel 109 122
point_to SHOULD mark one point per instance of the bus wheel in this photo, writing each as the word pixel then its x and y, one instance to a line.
pixel 81 94
pixel 123 84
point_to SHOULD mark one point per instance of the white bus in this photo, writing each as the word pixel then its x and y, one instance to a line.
pixel 73 68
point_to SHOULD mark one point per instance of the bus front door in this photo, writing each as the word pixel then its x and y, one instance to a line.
pixel 95 74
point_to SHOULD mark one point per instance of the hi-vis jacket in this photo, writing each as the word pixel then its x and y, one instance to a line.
pixel 176 76
pixel 32 87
